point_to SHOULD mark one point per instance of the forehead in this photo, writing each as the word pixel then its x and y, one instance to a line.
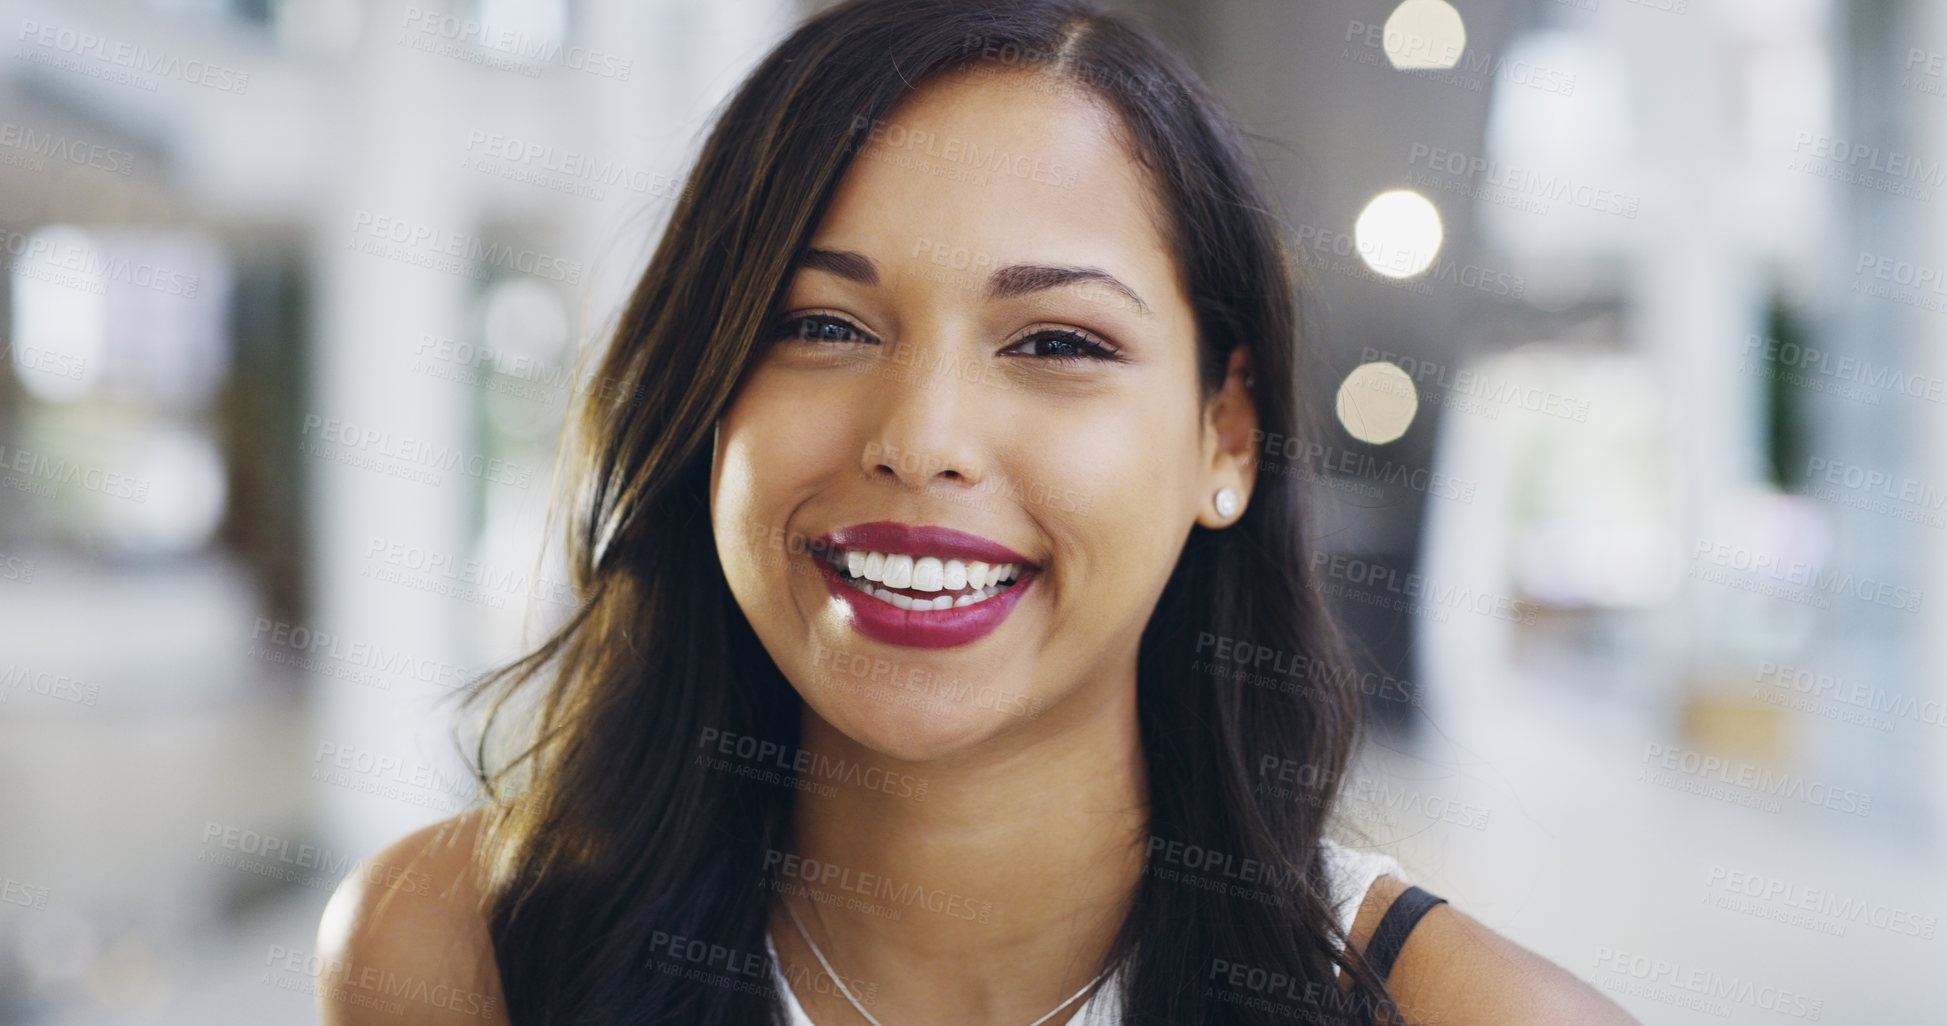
pixel 1008 166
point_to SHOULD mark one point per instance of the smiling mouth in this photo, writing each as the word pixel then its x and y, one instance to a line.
pixel 923 583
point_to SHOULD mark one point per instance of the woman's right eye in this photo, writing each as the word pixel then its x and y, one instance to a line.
pixel 819 328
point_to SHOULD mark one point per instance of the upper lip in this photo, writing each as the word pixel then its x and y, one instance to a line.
pixel 894 538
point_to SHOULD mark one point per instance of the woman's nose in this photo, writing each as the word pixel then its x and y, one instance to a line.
pixel 928 425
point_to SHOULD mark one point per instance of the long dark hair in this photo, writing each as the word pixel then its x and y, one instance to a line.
pixel 619 840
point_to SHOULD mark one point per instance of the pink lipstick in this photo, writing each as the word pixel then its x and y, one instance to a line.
pixel 922 586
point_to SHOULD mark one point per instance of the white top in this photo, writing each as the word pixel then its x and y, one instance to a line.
pixel 1352 873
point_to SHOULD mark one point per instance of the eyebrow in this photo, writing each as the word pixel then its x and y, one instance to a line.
pixel 1005 283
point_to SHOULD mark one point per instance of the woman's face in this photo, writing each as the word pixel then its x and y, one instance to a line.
pixel 988 338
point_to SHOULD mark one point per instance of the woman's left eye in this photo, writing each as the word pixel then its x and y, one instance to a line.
pixel 819 328
pixel 1065 345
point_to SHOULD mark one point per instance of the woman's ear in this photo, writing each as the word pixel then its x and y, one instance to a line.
pixel 1230 435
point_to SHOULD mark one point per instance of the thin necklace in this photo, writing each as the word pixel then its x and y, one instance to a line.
pixel 847 991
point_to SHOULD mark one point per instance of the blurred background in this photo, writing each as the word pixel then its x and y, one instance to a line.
pixel 1633 489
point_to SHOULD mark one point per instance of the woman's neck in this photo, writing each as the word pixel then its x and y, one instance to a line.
pixel 989 899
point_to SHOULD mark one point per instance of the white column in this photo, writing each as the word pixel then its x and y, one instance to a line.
pixel 392 125
pixel 1926 354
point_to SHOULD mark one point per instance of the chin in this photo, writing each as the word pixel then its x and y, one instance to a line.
pixel 910 723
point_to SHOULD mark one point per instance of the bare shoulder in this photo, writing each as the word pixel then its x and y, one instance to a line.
pixel 405 939
pixel 1454 971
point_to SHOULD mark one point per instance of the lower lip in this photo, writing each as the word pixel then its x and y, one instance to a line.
pixel 931 628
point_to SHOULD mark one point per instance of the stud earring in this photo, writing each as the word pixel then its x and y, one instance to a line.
pixel 1226 502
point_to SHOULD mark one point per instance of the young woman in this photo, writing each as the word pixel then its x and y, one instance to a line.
pixel 891 698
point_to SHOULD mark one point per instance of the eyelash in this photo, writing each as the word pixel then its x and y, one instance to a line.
pixel 1091 348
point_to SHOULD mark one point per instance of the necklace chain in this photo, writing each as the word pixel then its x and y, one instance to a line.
pixel 847 991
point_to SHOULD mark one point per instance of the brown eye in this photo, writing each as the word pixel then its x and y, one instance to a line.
pixel 818 328
pixel 1065 345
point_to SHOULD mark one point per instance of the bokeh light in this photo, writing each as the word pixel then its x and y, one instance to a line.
pixel 1398 234
pixel 1376 402
pixel 1425 35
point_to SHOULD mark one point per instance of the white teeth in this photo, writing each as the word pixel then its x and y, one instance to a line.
pixel 927 574
pixel 970 582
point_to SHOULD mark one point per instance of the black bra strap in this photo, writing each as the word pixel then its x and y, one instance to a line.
pixel 1394 927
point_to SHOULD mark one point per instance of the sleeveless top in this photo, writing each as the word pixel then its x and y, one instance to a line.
pixel 1350 873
